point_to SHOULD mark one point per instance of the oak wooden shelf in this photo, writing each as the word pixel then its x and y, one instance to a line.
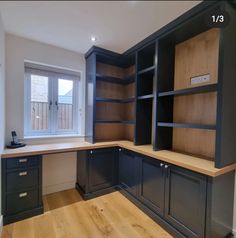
pixel 187 125
pixel 187 91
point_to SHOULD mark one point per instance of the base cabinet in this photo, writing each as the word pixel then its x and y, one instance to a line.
pixel 102 169
pixel 96 170
pixel 21 188
pixel 129 171
pixel 152 184
pixel 192 204
pixel 185 201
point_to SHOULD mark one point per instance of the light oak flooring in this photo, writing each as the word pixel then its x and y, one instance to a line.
pixel 67 215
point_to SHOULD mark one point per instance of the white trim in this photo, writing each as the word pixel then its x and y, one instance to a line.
pixel 34 64
pixel 1 223
pixel 53 97
pixel 52 136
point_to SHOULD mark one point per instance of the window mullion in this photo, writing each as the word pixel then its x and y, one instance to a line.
pixel 51 100
pixel 55 100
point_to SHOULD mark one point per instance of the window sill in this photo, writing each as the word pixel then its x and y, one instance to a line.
pixel 53 136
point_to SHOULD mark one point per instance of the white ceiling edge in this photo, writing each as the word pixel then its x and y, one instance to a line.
pixel 118 25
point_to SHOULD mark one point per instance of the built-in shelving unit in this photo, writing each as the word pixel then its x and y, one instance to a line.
pixel 146 71
pixel 113 93
pixel 157 86
pixel 186 111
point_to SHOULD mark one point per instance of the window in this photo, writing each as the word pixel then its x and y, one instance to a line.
pixel 52 103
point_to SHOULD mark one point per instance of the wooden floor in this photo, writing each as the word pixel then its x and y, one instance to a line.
pixel 68 216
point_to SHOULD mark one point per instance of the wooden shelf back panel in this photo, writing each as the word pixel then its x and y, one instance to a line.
pixel 129 90
pixel 128 132
pixel 196 108
pixel 110 70
pixel 109 111
pixel 116 91
pixel 128 111
pixel 129 71
pixel 108 132
pixel 193 141
pixel 109 90
pixel 197 56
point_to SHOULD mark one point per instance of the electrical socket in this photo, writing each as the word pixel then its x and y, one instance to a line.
pixel 200 79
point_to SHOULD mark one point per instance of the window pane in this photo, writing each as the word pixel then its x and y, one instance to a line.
pixel 39 102
pixel 65 104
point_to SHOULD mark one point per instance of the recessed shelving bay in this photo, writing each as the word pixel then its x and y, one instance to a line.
pixel 186 113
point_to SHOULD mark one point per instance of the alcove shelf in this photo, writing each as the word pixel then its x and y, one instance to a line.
pixel 106 78
pixel 110 108
pixel 187 91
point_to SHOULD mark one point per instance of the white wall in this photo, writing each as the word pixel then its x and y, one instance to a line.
pixel 2 97
pixel 18 50
pixel 58 170
pixel 2 86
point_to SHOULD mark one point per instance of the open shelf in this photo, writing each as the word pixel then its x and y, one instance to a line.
pixel 145 97
pixel 147 70
pixel 145 84
pixel 186 113
pixel 187 91
pixel 114 121
pixel 125 100
pixel 111 79
pixel 146 58
pixel 187 125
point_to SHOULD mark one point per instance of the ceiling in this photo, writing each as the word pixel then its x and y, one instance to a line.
pixel 117 25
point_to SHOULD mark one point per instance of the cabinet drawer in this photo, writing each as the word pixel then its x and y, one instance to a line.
pixel 22 162
pixel 22 179
pixel 22 201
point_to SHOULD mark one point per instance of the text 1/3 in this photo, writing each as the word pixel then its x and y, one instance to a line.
pixel 218 18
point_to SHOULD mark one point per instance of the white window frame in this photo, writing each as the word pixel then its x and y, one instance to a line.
pixel 53 78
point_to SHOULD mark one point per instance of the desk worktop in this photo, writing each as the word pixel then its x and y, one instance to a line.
pixel 186 161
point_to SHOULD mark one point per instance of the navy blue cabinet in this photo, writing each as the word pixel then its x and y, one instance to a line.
pixel 185 201
pixel 102 168
pixel 129 171
pixel 152 184
pixel 96 171
pixel 21 188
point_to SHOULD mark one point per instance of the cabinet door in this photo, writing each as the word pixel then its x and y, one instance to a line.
pixel 129 171
pixel 102 168
pixel 185 201
pixel 152 184
pixel 82 169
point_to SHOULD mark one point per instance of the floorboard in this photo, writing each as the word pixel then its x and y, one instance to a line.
pixel 67 215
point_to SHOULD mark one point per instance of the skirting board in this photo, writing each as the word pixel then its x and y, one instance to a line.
pixel 58 187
